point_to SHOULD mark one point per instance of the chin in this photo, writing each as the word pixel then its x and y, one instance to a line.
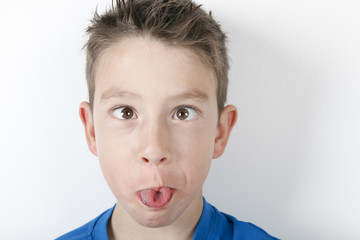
pixel 155 220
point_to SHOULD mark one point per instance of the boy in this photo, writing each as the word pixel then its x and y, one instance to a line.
pixel 157 81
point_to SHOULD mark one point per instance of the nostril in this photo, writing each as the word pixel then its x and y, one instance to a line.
pixel 147 160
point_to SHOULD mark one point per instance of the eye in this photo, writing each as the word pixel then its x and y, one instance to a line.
pixel 185 113
pixel 124 113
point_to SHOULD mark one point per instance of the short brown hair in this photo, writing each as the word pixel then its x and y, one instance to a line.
pixel 180 23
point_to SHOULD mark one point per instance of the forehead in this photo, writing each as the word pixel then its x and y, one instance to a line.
pixel 144 66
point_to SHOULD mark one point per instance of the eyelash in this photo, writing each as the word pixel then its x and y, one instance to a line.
pixel 187 106
pixel 121 106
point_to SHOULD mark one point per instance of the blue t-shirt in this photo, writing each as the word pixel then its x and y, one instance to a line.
pixel 212 225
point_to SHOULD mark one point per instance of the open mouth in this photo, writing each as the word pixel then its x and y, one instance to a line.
pixel 156 197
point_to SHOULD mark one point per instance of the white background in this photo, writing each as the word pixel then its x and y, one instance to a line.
pixel 292 164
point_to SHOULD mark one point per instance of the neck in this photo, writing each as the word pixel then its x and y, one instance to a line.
pixel 122 227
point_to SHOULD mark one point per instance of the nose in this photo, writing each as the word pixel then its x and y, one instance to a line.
pixel 155 143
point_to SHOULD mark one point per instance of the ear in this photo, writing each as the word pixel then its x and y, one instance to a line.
pixel 87 120
pixel 227 121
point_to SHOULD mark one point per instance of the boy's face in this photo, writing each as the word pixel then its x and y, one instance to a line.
pixel 155 128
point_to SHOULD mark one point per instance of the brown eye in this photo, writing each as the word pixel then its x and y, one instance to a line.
pixel 124 113
pixel 182 114
pixel 185 113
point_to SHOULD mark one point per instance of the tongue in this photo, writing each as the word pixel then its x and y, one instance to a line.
pixel 155 197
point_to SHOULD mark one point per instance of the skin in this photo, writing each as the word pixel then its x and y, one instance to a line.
pixel 155 147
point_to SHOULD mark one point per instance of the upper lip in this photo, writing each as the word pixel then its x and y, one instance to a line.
pixel 156 188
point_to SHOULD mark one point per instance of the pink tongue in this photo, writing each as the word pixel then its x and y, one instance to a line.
pixel 155 197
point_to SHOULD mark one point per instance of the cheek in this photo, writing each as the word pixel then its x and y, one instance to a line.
pixel 195 149
pixel 114 157
pixel 198 140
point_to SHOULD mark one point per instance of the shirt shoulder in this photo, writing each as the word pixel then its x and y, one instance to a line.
pixel 90 230
pixel 81 233
pixel 247 230
pixel 214 225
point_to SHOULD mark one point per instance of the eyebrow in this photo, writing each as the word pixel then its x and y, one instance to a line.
pixel 194 94
pixel 117 93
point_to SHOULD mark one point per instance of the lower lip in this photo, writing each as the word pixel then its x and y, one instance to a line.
pixel 156 205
